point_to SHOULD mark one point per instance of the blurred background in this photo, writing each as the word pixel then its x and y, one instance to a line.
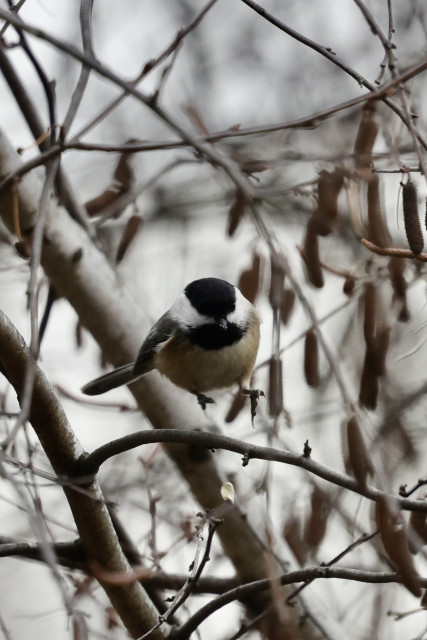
pixel 233 76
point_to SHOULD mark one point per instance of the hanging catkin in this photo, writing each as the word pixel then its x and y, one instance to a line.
pixel 411 218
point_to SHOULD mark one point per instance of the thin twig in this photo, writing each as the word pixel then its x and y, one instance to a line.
pixel 15 9
pixel 196 572
pixel 329 55
pixel 146 70
pixel 91 463
pixel 48 87
pixel 330 314
pixel 36 250
pixel 65 191
pixel 393 252
pixel 4 629
pixel 389 56
pixel 161 145
pixel 374 26
pixel 129 88
pixel 360 540
pixel 86 7
pixel 302 575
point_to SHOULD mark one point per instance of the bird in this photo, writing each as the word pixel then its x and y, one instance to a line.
pixel 207 340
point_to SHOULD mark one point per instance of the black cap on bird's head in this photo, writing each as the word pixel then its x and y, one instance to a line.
pixel 212 297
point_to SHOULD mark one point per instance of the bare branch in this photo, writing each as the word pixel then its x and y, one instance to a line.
pixel 393 252
pixel 90 463
pixel 86 7
pixel 48 87
pixel 332 57
pixel 32 117
pixel 147 69
pixel 91 515
pixel 302 575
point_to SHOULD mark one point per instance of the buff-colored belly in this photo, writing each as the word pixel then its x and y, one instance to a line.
pixel 199 370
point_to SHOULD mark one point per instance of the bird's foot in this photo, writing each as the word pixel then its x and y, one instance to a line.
pixel 254 395
pixel 204 400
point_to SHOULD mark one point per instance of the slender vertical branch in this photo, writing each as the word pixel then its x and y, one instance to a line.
pixel 86 7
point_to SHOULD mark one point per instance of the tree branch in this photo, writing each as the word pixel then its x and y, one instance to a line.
pixel 332 57
pixel 107 310
pixel 302 575
pixel 89 510
pixel 65 191
pixel 90 463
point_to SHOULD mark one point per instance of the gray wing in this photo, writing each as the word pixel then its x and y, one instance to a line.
pixel 111 380
pixel 161 331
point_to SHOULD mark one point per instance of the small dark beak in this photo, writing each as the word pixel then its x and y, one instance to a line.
pixel 222 322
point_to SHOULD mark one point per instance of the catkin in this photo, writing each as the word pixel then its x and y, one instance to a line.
pixel 393 536
pixel 287 305
pixel 275 387
pixel 132 229
pixel 329 185
pixel 236 212
pixel 236 406
pixel 277 281
pixel 315 527
pixel 366 135
pixel 411 219
pixel 378 232
pixel 312 257
pixel 396 268
pixel 311 359
pixel 369 387
pixel 418 527
pixel 359 460
pixel 250 279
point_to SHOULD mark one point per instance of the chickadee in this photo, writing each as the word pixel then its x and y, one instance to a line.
pixel 207 340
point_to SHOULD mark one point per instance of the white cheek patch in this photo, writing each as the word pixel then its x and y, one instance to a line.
pixel 242 312
pixel 185 315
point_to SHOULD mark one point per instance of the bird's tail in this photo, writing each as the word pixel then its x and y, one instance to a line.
pixel 111 380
